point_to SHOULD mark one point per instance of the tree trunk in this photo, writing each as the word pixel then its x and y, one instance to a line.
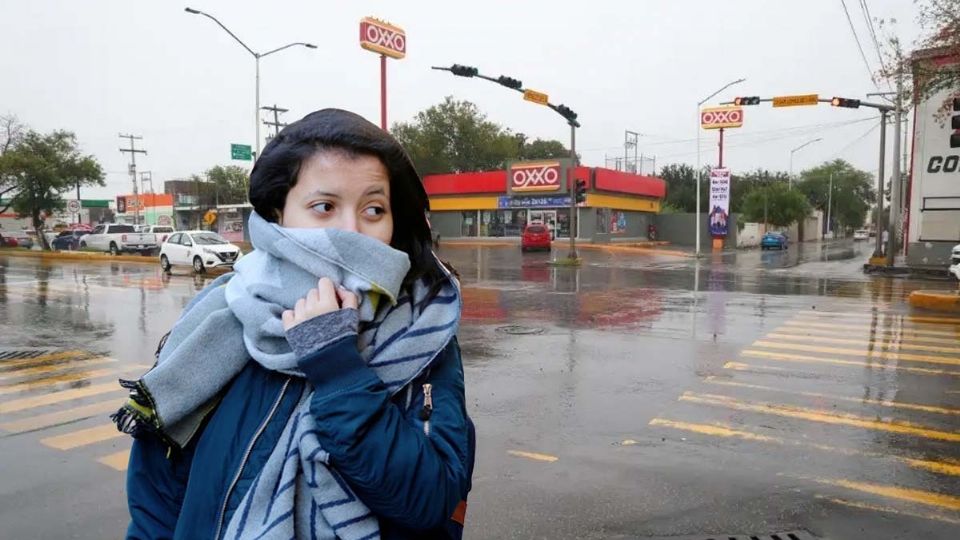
pixel 38 226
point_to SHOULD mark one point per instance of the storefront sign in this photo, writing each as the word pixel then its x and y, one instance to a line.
pixel 721 117
pixel 121 205
pixel 535 176
pixel 556 201
pixel 719 202
pixel 384 38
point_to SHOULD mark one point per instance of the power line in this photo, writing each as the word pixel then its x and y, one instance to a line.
pixel 859 46
pixel 868 19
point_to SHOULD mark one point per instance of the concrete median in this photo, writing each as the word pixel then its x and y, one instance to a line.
pixel 942 301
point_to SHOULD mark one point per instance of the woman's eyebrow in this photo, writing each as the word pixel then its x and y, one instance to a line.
pixel 375 191
pixel 321 193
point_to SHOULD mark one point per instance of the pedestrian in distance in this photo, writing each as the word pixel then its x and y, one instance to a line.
pixel 317 391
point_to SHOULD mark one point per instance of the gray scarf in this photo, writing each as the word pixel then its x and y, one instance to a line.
pixel 237 318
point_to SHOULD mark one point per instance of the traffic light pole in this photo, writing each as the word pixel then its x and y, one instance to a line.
pixel 571 179
pixel 878 251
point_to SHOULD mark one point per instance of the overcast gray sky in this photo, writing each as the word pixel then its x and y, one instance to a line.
pixel 99 67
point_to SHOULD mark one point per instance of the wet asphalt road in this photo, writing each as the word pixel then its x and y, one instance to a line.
pixel 639 396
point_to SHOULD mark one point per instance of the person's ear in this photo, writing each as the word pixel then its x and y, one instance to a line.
pixel 278 215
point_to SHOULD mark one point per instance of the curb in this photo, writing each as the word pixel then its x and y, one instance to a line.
pixel 613 248
pixel 78 256
pixel 943 301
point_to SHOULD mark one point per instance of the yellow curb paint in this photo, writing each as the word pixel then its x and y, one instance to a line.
pixel 53 368
pixel 56 418
pixel 943 301
pixel 887 344
pixel 907 330
pixel 43 358
pixel 821 416
pixel 721 430
pixel 950 361
pixel 799 358
pixel 57 397
pixel 533 455
pixel 889 510
pixel 928 498
pixel 865 401
pixel 83 437
pixel 116 461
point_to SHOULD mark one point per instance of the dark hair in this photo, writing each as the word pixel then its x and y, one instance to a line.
pixel 335 130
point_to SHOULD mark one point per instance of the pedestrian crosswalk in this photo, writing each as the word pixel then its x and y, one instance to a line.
pixel 867 395
pixel 63 399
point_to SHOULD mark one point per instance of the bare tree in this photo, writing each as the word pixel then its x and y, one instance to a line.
pixel 11 132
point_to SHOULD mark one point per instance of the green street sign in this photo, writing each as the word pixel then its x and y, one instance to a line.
pixel 241 152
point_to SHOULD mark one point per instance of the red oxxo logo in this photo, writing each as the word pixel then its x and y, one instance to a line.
pixel 542 176
pixel 383 38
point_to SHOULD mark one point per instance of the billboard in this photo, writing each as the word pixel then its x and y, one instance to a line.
pixel 537 176
pixel 382 37
pixel 721 117
pixel 719 202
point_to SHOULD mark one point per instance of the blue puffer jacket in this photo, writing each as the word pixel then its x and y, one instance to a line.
pixel 415 478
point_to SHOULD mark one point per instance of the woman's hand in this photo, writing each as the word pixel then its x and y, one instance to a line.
pixel 320 301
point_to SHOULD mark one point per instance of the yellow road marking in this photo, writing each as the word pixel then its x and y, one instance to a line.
pixel 879 316
pixel 39 370
pixel 533 455
pixel 117 461
pixel 889 510
pixel 822 416
pixel 877 328
pixel 886 344
pixel 721 430
pixel 783 357
pixel 83 437
pixel 894 404
pixel 883 335
pixel 950 361
pixel 58 379
pixel 52 357
pixel 56 418
pixel 57 397
pixel 740 366
pixel 929 498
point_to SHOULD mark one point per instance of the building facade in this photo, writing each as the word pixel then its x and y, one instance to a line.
pixel 618 206
pixel 145 209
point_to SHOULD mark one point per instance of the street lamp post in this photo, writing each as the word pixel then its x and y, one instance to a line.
pixel 698 172
pixel 257 56
pixel 791 157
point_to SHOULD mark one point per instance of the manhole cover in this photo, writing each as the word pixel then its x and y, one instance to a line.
pixel 518 330
pixel 789 535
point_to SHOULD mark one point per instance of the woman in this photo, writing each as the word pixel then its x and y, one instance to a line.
pixel 316 392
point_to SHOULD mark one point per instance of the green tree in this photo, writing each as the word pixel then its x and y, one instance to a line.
pixel 544 149
pixel 682 188
pixel 775 204
pixel 742 184
pixel 853 192
pixel 455 136
pixel 229 184
pixel 36 171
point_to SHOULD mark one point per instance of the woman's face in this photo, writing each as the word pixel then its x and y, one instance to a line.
pixel 340 191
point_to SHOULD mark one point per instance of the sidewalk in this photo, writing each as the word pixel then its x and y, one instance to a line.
pixel 643 246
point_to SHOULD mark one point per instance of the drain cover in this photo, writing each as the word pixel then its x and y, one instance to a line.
pixel 789 535
pixel 518 330
pixel 17 354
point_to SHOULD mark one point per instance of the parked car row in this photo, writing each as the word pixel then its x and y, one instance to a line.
pixel 16 239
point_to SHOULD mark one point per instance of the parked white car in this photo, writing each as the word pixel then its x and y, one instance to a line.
pixel 119 238
pixel 955 262
pixel 162 231
pixel 861 235
pixel 199 249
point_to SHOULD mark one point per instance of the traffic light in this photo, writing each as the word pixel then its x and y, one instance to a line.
pixel 845 102
pixel 463 71
pixel 749 100
pixel 955 124
pixel 509 82
pixel 567 113
pixel 580 191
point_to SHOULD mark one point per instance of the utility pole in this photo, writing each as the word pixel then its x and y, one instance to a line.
pixel 878 250
pixel 133 151
pixel 895 181
pixel 277 124
pixel 830 204
pixel 574 221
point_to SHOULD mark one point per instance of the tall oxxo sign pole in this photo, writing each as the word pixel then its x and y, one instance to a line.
pixel 719 118
pixel 387 40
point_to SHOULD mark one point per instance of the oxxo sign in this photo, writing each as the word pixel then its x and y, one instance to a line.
pixel 721 117
pixel 383 38
pixel 535 176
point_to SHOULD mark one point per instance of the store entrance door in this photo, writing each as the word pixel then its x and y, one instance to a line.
pixel 548 218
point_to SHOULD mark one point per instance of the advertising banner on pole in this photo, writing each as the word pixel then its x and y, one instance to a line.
pixel 719 202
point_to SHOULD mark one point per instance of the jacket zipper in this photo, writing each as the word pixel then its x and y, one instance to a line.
pixel 246 456
pixel 427 410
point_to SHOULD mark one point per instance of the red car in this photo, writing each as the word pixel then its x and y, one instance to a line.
pixel 535 236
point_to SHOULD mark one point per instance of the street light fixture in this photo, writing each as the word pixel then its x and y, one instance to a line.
pixel 700 104
pixel 257 56
pixel 804 145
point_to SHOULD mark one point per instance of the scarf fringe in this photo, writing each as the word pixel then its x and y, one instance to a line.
pixel 138 416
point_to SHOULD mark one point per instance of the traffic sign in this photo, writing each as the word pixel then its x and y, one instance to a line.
pixel 241 152
pixel 721 117
pixel 382 37
pixel 796 101
pixel 536 97
pixel 73 206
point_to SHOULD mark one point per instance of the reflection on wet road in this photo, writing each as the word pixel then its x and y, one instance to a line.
pixel 640 395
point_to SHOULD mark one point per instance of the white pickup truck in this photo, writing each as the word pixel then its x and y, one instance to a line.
pixel 117 238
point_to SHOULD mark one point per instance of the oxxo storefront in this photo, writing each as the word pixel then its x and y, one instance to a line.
pixel 619 206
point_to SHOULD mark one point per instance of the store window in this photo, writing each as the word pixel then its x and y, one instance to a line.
pixel 468 223
pixel 603 220
pixel 501 223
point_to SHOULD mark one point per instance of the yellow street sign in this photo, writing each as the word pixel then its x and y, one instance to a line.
pixel 536 97
pixel 795 101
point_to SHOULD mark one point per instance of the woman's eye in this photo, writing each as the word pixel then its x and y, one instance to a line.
pixel 322 208
pixel 374 211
